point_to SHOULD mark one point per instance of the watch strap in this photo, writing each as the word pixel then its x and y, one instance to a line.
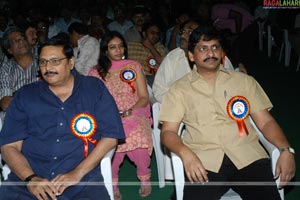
pixel 288 149
pixel 28 178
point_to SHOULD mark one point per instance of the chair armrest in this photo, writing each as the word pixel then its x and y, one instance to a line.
pixel 106 172
pixel 178 175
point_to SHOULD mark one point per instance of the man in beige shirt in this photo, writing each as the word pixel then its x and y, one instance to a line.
pixel 219 144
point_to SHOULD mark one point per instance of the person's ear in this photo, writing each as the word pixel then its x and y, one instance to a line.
pixel 72 63
pixel 191 56
pixel 9 51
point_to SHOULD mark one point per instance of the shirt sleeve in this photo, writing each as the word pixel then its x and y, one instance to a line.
pixel 6 88
pixel 172 107
pixel 257 96
pixel 15 126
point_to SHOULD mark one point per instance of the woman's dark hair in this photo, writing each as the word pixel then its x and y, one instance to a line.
pixel 206 32
pixel 104 61
pixel 56 41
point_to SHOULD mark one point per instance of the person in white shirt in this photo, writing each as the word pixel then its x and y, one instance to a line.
pixel 64 21
pixel 86 48
pixel 120 23
pixel 176 64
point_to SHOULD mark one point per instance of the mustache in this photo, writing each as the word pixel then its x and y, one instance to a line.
pixel 213 58
pixel 49 73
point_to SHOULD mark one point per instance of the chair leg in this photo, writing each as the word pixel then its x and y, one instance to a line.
pixel 287 48
pixel 280 53
pixel 269 41
pixel 159 159
pixel 178 175
pixel 297 69
pixel 168 167
pixel 106 171
pixel 260 35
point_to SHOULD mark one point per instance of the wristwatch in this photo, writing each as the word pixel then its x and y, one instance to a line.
pixel 288 149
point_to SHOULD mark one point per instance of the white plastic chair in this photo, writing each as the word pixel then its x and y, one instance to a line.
pixel 158 149
pixel 230 195
pixel 106 172
pixel 270 40
pixel 163 161
pixel 261 33
pixel 105 165
pixel 286 47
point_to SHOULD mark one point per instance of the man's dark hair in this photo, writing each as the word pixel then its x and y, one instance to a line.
pixel 206 33
pixel 149 24
pixel 56 41
pixel 104 61
pixel 79 28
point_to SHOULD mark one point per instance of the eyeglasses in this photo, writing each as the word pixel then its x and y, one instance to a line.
pixel 213 48
pixel 52 61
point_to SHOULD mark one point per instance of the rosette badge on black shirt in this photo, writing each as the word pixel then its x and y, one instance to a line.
pixel 238 109
pixel 84 126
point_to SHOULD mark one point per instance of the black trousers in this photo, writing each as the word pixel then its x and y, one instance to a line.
pixel 253 182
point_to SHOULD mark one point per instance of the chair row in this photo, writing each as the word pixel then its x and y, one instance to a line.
pixel 285 46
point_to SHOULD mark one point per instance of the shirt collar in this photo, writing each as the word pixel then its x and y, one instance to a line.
pixel 77 80
pixel 195 76
pixel 83 38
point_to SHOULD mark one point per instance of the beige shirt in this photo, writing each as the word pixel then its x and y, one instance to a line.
pixel 210 132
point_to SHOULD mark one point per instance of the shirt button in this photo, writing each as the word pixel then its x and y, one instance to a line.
pixel 62 108
pixel 57 140
pixel 61 124
pixel 52 173
pixel 55 157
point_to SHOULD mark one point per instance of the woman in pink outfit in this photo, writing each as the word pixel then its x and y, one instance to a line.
pixel 126 82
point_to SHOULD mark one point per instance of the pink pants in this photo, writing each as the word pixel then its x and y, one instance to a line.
pixel 141 159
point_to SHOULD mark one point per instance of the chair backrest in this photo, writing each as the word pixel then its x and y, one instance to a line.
pixel 151 95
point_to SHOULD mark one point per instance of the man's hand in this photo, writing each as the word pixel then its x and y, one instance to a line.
pixel 5 101
pixel 285 168
pixel 194 168
pixel 42 188
pixel 148 44
pixel 63 181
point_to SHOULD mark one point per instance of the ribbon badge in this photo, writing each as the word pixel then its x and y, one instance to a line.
pixel 152 64
pixel 238 109
pixel 129 75
pixel 84 126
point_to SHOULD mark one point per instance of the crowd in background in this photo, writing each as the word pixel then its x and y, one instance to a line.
pixel 54 17
pixel 132 38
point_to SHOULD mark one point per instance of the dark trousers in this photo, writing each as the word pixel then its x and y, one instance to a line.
pixel 259 173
